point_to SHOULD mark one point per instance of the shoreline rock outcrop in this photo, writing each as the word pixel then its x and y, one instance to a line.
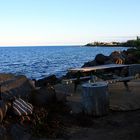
pixel 51 80
pixel 15 86
pixel 131 56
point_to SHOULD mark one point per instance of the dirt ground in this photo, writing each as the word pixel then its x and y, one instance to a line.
pixel 121 123
pixel 114 126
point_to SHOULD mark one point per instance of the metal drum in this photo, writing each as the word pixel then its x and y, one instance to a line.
pixel 95 98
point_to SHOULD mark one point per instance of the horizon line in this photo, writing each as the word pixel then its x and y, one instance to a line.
pixel 40 45
pixel 70 44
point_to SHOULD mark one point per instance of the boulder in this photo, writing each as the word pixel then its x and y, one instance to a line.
pixel 101 59
pixel 3 110
pixel 18 86
pixel 3 133
pixel 109 62
pixel 117 55
pixel 19 132
pixel 43 96
pixel 89 64
pixel 5 77
pixel 131 50
pixel 131 59
pixel 134 70
pixel 52 80
pixel 133 56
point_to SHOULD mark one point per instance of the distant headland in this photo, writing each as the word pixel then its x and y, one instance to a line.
pixel 129 43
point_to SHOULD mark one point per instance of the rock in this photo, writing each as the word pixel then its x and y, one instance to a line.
pixel 89 64
pixel 18 86
pixel 131 59
pixel 3 110
pixel 18 132
pixel 131 50
pixel 109 62
pixel 5 77
pixel 117 56
pixel 134 69
pixel 43 96
pixel 52 80
pixel 101 59
pixel 3 133
pixel 133 56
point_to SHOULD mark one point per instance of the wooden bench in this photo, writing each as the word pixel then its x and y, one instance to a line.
pixel 72 80
pixel 123 79
pixel 133 70
pixel 110 81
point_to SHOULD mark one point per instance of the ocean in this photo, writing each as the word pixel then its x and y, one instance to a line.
pixel 39 62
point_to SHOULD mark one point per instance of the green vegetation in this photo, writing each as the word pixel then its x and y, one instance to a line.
pixel 133 43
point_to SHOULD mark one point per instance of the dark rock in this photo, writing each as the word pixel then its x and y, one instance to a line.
pixel 52 80
pixel 5 77
pixel 3 133
pixel 19 132
pixel 3 110
pixel 43 96
pixel 117 55
pixel 133 56
pixel 131 59
pixel 101 59
pixel 18 86
pixel 109 62
pixel 89 64
pixel 134 69
pixel 131 50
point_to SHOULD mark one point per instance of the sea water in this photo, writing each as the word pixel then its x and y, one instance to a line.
pixel 39 62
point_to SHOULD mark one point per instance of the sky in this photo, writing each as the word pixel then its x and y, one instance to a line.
pixel 67 22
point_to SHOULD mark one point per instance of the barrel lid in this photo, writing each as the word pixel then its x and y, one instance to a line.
pixel 95 84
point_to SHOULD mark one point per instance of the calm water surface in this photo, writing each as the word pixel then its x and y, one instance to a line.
pixel 39 62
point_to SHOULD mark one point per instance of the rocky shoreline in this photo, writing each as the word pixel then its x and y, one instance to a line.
pixel 50 116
